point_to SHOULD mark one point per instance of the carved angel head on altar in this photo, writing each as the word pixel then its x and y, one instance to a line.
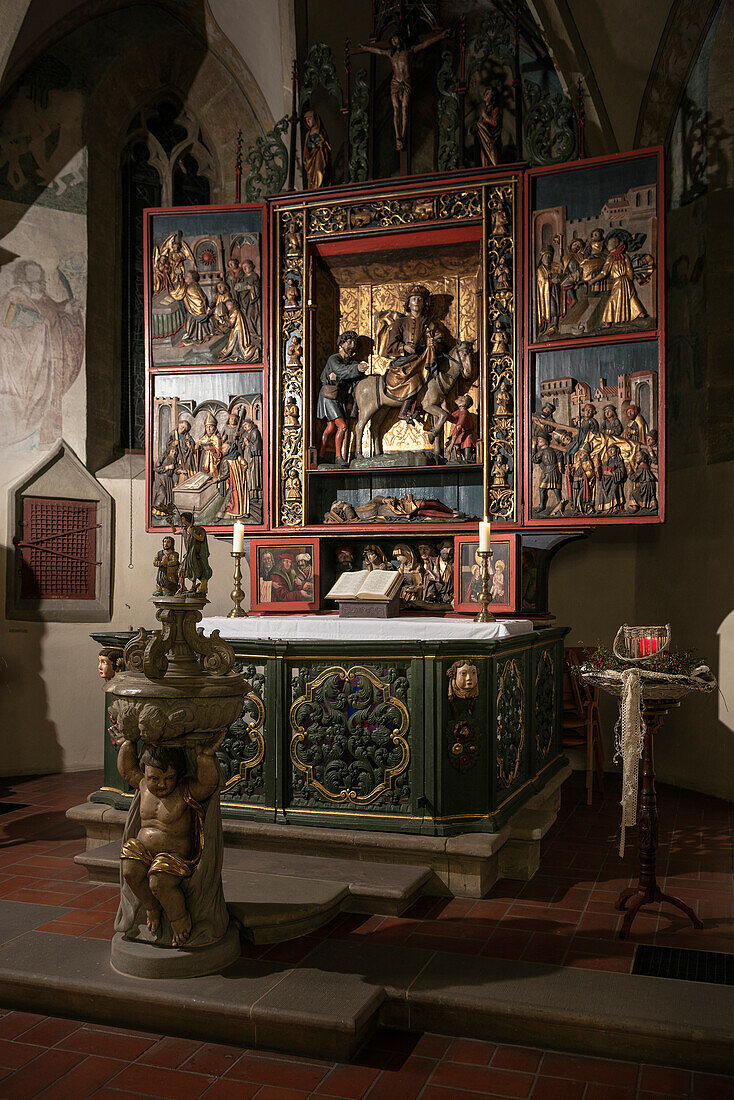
pixel 109 662
pixel 463 676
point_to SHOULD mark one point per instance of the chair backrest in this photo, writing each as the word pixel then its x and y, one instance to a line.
pixel 578 696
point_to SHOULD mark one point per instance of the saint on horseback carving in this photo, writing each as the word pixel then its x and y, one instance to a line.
pixel 427 370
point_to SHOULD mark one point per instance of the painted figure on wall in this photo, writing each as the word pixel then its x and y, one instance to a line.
pixel 342 370
pixel 41 354
pixel 489 129
pixel 400 56
pixel 316 151
pixel 291 582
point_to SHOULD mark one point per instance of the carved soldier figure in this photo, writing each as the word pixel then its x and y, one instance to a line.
pixel 400 55
pixel 550 472
pixel 341 370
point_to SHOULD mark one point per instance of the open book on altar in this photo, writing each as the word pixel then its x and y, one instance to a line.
pixel 378 584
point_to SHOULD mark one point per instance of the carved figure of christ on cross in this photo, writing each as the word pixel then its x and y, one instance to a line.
pixel 400 55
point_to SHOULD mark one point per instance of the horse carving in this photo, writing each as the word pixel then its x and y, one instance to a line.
pixel 373 401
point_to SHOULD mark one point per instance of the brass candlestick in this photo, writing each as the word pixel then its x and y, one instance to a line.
pixel 237 594
pixel 484 615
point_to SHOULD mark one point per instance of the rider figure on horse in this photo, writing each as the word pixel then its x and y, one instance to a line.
pixel 418 345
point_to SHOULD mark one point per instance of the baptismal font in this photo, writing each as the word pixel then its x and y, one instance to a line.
pixel 176 698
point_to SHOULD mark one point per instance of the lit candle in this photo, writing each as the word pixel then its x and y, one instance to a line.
pixel 238 538
pixel 485 529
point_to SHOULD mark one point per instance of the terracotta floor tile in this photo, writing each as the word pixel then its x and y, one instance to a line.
pixel 481 1079
pixel 474 1051
pixel 108 1044
pixel 171 1085
pixel 557 1088
pixel 253 1067
pixel 671 1082
pixel 225 1090
pixel 708 1086
pixel 49 1032
pixel 82 1080
pixel 274 1092
pixel 526 1059
pixel 431 1046
pixel 347 1081
pixel 603 1071
pixel 596 1091
pixel 170 1053
pixel 210 1058
pixel 41 1073
pixel 64 929
pixel 16 1023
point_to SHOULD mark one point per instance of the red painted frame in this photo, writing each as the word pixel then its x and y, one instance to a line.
pixel 530 348
pixel 257 544
pixel 224 529
pixel 510 605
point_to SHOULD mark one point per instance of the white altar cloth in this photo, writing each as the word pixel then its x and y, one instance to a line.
pixel 330 628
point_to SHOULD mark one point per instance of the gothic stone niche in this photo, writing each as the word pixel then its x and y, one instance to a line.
pixel 60 528
pixel 205 288
pixel 595 254
pixel 349 737
pixel 206 453
pixel 595 436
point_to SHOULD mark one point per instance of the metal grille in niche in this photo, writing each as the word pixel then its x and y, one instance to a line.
pixel 58 549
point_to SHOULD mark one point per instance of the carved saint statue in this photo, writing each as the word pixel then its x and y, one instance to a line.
pixel 418 346
pixel 195 566
pixel 316 151
pixel 209 448
pixel 463 439
pixel 250 291
pixel 400 56
pixel 489 129
pixel 167 565
pixel 438 583
pixel 623 304
pixel 290 413
pixel 499 340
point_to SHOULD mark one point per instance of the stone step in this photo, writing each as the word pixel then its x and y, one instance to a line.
pixel 328 1003
pixel 277 896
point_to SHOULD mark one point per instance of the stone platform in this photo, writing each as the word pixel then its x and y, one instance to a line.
pixel 328 1004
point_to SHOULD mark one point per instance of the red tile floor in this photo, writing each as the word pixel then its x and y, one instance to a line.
pixel 564 916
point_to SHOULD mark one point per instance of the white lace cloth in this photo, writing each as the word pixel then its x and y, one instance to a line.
pixel 330 628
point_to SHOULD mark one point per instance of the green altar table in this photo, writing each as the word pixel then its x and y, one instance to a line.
pixel 394 726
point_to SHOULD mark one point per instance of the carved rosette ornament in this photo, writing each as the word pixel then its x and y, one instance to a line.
pixel 169 713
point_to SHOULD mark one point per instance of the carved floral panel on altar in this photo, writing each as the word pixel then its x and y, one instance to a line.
pixel 205 287
pixel 594 250
pixel 205 452
pixel 595 438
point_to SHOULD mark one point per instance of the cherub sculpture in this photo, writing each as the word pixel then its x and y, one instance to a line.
pixel 170 840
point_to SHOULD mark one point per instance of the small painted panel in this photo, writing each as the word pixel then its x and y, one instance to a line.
pixel 350 745
pixel 468 574
pixel 285 575
pixel 242 753
pixel 206 447
pixel 594 239
pixel 595 434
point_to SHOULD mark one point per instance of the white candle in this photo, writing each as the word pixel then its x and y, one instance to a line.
pixel 238 538
pixel 485 528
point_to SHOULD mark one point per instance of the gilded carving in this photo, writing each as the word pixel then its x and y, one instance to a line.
pixel 242 752
pixel 349 736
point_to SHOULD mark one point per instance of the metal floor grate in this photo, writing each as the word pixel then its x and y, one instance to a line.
pixel 688 966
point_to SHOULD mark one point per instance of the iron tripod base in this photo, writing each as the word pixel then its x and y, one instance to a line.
pixel 647 891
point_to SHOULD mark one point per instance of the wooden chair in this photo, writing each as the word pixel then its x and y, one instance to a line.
pixel 581 720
